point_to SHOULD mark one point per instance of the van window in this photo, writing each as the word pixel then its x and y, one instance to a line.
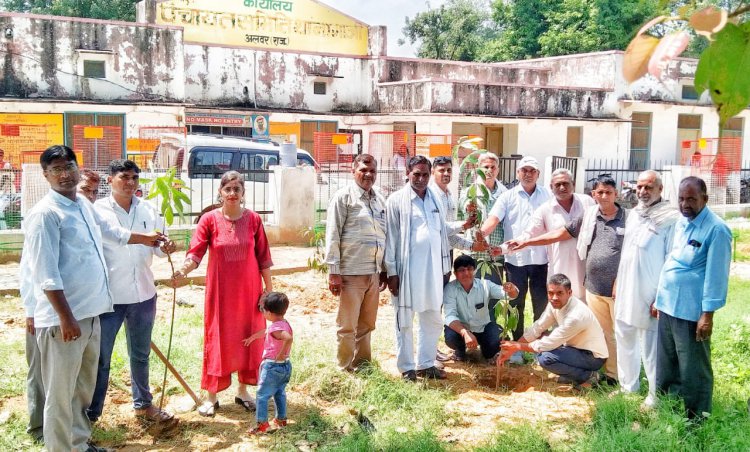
pixel 305 160
pixel 253 166
pixel 208 163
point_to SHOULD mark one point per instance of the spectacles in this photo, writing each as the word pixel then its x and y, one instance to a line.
pixel 442 161
pixel 58 170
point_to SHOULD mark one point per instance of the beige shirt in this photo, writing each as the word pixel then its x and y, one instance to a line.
pixel 575 326
pixel 355 232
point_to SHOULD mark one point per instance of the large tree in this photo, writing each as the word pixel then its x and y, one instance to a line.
pixel 456 30
pixel 94 9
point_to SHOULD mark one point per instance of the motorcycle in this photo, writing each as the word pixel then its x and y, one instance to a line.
pixel 628 197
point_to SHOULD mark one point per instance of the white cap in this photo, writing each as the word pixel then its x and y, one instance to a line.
pixel 528 161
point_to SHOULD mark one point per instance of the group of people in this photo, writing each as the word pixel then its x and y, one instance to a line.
pixel 617 288
pixel 85 271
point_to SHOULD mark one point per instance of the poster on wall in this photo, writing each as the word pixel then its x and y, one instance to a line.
pixel 26 135
pixel 297 25
pixel 260 126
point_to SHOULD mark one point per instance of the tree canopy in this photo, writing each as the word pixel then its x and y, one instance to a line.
pixel 94 9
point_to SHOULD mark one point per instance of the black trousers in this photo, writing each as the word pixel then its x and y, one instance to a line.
pixel 683 365
pixel 528 278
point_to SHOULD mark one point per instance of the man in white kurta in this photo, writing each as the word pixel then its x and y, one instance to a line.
pixel 648 240
pixel 565 207
pixel 417 256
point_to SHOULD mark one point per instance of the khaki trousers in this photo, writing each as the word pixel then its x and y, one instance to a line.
pixel 358 310
pixel 604 311
pixel 69 375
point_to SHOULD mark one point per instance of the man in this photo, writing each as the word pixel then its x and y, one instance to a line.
pixel 34 385
pixel 355 245
pixel 692 286
pixel 89 184
pixel 467 316
pixel 565 207
pixel 69 280
pixel 133 290
pixel 575 349
pixel 489 163
pixel 527 269
pixel 649 230
pixel 417 256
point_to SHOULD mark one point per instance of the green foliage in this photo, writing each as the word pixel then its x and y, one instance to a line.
pixel 317 238
pixel 94 9
pixel 515 438
pixel 168 189
pixel 454 31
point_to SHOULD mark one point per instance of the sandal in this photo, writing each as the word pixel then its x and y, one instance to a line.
pixel 249 405
pixel 153 413
pixel 280 422
pixel 208 409
pixel 259 429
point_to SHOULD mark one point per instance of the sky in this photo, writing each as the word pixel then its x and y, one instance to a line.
pixel 391 13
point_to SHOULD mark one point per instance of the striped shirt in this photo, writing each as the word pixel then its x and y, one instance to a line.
pixel 355 232
pixel 497 236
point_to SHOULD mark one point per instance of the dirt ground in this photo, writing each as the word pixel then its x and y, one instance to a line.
pixel 525 392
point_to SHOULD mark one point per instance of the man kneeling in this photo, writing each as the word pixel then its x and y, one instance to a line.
pixel 575 349
pixel 467 316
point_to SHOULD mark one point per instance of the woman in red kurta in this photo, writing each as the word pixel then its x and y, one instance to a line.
pixel 239 257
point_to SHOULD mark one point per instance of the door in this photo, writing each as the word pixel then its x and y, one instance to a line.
pixel 493 139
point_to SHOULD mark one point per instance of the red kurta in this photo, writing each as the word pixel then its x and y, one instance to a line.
pixel 238 252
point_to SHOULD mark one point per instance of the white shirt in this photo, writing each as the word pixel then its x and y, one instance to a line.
pixel 563 256
pixel 575 326
pixel 425 254
pixel 451 210
pixel 515 208
pixel 63 243
pixel 129 266
pixel 645 249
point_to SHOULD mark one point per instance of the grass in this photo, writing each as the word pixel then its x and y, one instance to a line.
pixel 330 407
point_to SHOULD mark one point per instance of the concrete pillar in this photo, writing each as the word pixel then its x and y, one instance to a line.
pixel 292 200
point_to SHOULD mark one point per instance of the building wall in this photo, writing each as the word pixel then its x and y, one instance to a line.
pixel 43 58
pixel 232 77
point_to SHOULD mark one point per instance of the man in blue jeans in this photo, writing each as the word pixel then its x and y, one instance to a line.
pixel 133 290
pixel 466 301
pixel 575 349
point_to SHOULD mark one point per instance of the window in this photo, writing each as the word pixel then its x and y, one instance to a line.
pixel 573 146
pixel 640 141
pixel 94 69
pixel 208 163
pixel 688 129
pixel 319 87
pixel 689 92
pixel 733 129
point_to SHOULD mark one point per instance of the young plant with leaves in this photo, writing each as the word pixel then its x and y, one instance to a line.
pixel 723 66
pixel 475 200
pixel 317 238
pixel 167 190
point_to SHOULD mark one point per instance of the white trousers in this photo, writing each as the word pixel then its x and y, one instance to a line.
pixel 633 346
pixel 430 328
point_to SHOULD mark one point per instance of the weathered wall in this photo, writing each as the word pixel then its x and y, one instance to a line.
pixel 43 57
pixel 225 76
pixel 409 69
pixel 492 99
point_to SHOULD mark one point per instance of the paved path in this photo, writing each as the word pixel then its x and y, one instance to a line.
pixel 287 259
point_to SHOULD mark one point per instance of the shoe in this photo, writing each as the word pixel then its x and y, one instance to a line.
pixel 249 405
pixel 94 448
pixel 650 403
pixel 259 429
pixel 208 409
pixel 456 357
pixel 516 358
pixel 153 413
pixel 610 381
pixel 280 422
pixel 564 380
pixel 591 382
pixel 409 375
pixel 432 373
pixel 439 365
pixel 442 357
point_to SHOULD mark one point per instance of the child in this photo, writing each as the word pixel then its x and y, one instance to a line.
pixel 275 368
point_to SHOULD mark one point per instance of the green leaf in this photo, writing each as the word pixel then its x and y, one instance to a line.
pixel 164 205
pixel 471 193
pixel 144 181
pixel 178 195
pixel 485 193
pixel 723 70
pixel 169 215
pixel 471 158
pixel 163 187
pixel 152 194
pixel 481 173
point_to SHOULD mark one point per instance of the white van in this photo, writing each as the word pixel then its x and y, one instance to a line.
pixel 210 156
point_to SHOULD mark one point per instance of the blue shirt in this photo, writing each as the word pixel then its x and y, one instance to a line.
pixel 470 308
pixel 695 277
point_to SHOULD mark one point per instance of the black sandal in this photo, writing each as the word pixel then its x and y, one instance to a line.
pixel 249 405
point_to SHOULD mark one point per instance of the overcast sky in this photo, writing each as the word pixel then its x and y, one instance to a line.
pixel 390 13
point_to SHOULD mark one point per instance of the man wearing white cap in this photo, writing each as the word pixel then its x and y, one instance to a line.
pixel 526 269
